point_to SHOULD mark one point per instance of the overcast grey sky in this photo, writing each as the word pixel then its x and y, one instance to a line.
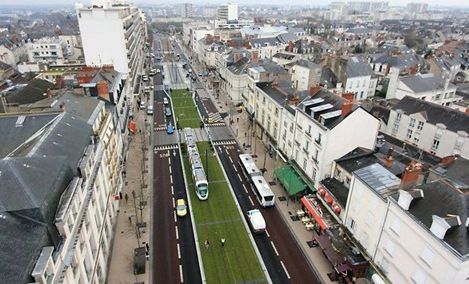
pixel 292 2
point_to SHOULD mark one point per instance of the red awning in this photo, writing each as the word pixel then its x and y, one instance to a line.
pixel 312 210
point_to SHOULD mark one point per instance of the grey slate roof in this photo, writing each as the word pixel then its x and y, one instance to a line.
pixel 338 190
pixel 307 64
pixel 356 159
pixel 267 41
pixel 357 68
pixel 424 83
pixel 400 61
pixel 271 90
pixel 13 136
pixel 441 199
pixel 434 113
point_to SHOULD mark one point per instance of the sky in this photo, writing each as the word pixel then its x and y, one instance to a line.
pixel 274 2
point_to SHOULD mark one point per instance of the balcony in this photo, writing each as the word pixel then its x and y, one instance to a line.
pixel 307 133
pixel 317 141
pixel 306 151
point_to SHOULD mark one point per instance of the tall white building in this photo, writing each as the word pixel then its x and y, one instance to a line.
pixel 228 12
pixel 113 33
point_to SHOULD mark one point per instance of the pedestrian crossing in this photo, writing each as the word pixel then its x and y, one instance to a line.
pixel 224 142
pixel 214 117
pixel 216 124
pixel 165 147
pixel 162 128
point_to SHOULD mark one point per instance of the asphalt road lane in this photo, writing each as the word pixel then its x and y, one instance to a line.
pixel 286 249
pixel 164 250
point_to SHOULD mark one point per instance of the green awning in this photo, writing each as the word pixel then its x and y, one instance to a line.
pixel 290 180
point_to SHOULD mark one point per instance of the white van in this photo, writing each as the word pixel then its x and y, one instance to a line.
pixel 256 220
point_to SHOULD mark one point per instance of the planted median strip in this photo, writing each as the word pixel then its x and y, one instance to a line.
pixel 218 218
pixel 185 109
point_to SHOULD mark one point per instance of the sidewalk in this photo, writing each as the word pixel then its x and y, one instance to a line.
pixel 287 207
pixel 125 236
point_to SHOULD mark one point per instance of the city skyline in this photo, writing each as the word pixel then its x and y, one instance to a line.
pixel 432 3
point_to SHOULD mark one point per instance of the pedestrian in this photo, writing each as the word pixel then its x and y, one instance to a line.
pixel 130 219
pixel 147 246
pixel 126 198
pixel 207 244
pixel 222 241
pixel 147 255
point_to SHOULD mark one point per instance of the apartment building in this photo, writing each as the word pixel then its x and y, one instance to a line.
pixel 47 50
pixel 305 74
pixel 322 122
pixel 267 47
pixel 113 33
pixel 354 76
pixel 62 221
pixel 426 87
pixel 431 127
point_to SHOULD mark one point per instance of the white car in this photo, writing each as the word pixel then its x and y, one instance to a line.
pixel 165 100
pixel 150 110
pixel 142 105
pixel 158 71
pixel 145 78
pixel 256 220
pixel 181 207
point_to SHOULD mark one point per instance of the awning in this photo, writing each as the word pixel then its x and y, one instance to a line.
pixel 314 212
pixel 305 179
pixel 340 265
pixel 290 180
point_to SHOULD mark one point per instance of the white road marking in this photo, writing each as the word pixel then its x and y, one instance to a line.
pixel 174 204
pixel 169 161
pixel 239 177
pixel 170 171
pixel 175 217
pixel 245 189
pixel 172 189
pixel 182 277
pixel 275 249
pixel 252 203
pixel 179 252
pixel 171 179
pixel 285 269
pixel 236 170
pixel 267 233
pixel 230 160
pixel 177 234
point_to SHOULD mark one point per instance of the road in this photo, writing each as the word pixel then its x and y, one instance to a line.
pixel 173 244
pixel 282 256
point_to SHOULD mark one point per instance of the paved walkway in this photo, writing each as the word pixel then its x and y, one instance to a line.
pixel 125 237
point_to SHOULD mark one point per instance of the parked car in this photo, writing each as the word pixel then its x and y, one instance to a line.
pixel 165 101
pixel 168 111
pixel 181 207
pixel 256 220
pixel 142 105
pixel 170 128
pixel 144 78
pixel 150 110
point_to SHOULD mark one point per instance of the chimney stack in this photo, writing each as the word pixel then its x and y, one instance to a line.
pixel 447 161
pixel 255 56
pixel 49 93
pixel 349 96
pixel 236 57
pixel 441 225
pixel 411 174
pixel 314 90
pixel 347 108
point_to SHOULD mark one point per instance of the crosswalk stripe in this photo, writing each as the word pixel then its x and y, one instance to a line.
pixel 165 147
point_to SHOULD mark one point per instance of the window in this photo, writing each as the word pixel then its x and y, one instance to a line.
pixel 352 225
pixel 412 123
pixel 409 133
pixel 398 117
pixel 384 265
pixel 459 143
pixel 420 126
pixel 396 226
pixel 435 144
pixel 347 181
pixel 427 256
pixel 389 247
pixel 304 163
pixel 419 277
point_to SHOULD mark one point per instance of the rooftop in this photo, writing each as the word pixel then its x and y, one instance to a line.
pixel 454 120
pixel 378 178
pixel 424 83
pixel 337 189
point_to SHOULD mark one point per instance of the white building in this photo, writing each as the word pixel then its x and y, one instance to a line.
pixel 186 10
pixel 425 87
pixel 228 12
pixel 431 127
pixel 73 211
pixel 50 50
pixel 323 122
pixel 305 74
pixel 267 47
pixel 113 33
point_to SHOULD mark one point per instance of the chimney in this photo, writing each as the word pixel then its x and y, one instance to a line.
pixel 49 93
pixel 447 161
pixel 347 108
pixel 236 57
pixel 103 90
pixel 349 96
pixel 411 174
pixel 314 90
pixel 290 46
pixel 441 225
pixel 406 197
pixel 255 56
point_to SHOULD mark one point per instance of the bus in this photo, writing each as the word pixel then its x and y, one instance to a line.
pixel 198 173
pixel 259 185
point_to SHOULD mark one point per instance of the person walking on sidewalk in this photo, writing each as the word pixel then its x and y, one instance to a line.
pixel 130 219
pixel 222 241
pixel 126 198
pixel 207 244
